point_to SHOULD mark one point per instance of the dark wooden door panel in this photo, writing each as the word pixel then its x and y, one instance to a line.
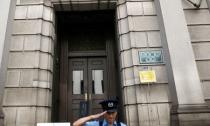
pixel 97 82
pixel 77 86
pixel 87 84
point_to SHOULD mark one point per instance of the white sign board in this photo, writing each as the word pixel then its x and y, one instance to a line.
pixel 53 124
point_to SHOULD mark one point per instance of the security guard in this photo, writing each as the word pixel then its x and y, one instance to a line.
pixel 110 113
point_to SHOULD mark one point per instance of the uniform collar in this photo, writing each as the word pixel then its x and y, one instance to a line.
pixel 105 123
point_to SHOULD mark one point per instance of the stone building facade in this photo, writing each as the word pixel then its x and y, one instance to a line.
pixel 31 49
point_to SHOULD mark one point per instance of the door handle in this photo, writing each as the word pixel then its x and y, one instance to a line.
pixel 86 97
pixel 90 97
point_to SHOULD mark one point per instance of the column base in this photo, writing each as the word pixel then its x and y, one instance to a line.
pixel 190 115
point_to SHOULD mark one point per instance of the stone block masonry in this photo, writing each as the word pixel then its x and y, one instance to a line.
pixel 28 89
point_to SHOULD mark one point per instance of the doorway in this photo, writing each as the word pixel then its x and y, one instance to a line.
pixel 88 63
pixel 87 85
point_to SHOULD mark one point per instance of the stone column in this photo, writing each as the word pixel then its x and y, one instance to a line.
pixel 144 105
pixel 188 101
pixel 7 13
pixel 28 87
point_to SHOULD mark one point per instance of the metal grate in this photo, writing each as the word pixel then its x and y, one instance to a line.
pixel 83 5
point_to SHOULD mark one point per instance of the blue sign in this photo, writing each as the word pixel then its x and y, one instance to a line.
pixel 150 57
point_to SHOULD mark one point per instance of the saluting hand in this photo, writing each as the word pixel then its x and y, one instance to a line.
pixel 81 121
pixel 96 116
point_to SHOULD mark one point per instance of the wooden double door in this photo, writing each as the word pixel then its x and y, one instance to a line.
pixel 87 86
pixel 87 64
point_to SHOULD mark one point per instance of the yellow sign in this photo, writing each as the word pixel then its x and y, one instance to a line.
pixel 147 76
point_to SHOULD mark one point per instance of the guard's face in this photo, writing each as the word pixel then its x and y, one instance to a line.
pixel 110 117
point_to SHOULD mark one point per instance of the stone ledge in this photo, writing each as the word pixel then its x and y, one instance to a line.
pixel 190 115
pixel 189 109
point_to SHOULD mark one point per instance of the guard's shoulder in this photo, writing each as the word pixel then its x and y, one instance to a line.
pixel 91 123
pixel 122 124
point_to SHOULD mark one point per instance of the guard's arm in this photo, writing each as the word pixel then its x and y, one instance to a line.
pixel 83 120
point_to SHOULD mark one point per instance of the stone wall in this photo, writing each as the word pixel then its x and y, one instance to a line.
pixel 139 30
pixel 198 21
pixel 27 94
pixel 7 15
